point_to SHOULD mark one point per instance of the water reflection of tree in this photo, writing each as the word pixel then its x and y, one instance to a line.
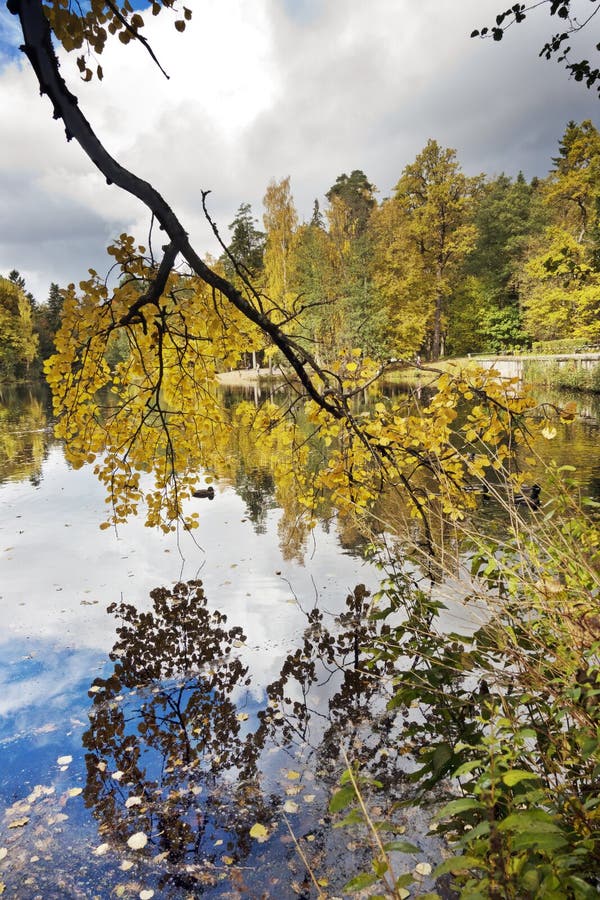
pixel 167 750
pixel 330 696
pixel 256 487
pixel 166 720
pixel 24 435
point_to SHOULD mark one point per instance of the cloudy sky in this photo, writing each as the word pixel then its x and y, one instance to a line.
pixel 261 89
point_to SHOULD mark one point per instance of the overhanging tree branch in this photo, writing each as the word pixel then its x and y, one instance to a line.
pixel 42 57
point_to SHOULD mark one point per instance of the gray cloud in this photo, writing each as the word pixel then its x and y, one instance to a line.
pixel 309 88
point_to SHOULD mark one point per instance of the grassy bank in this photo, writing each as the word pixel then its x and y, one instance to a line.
pixel 562 375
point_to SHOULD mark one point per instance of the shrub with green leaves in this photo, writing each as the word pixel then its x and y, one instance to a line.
pixel 505 721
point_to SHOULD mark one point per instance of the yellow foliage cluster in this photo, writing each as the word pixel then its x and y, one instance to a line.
pixel 75 28
pixel 155 420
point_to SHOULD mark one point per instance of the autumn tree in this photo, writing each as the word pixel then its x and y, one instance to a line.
pixel 280 221
pixel 562 275
pixel 312 281
pixel 183 320
pixel 18 343
pixel 425 235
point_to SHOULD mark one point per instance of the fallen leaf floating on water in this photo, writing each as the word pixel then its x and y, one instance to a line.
pixel 117 775
pixel 101 849
pixel 242 716
pixel 18 823
pixel 137 841
pixel 259 832
pixel 3 852
pixel 126 865
pixel 290 806
pixel 132 801
pixel 147 894
pixel 74 792
pixel 292 775
pixel 228 860
pixel 308 798
pixel 64 760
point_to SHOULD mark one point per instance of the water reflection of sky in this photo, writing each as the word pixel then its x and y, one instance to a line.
pixel 59 573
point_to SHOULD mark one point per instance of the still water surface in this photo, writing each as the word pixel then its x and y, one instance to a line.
pixel 187 728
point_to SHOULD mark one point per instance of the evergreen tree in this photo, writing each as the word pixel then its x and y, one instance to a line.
pixel 357 193
pixel 246 246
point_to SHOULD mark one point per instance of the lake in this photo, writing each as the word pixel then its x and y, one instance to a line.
pixel 186 743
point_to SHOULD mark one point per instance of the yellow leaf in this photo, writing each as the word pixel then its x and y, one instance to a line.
pixel 18 823
pixel 74 792
pixel 259 832
pixel 293 775
pixel 228 860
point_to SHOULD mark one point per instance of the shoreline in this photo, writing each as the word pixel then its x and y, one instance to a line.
pixel 250 376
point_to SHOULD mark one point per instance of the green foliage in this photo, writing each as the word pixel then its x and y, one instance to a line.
pixel 507 213
pixel 46 318
pixel 566 345
pixel 563 375
pixel 507 717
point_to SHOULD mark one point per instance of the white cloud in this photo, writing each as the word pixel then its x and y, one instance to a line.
pixel 265 89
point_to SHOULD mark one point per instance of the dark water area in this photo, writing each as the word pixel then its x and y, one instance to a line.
pixel 161 696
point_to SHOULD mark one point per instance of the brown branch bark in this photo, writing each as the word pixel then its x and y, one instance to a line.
pixel 40 53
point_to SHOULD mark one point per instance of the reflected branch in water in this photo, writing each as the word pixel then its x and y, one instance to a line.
pixel 170 755
pixel 166 753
